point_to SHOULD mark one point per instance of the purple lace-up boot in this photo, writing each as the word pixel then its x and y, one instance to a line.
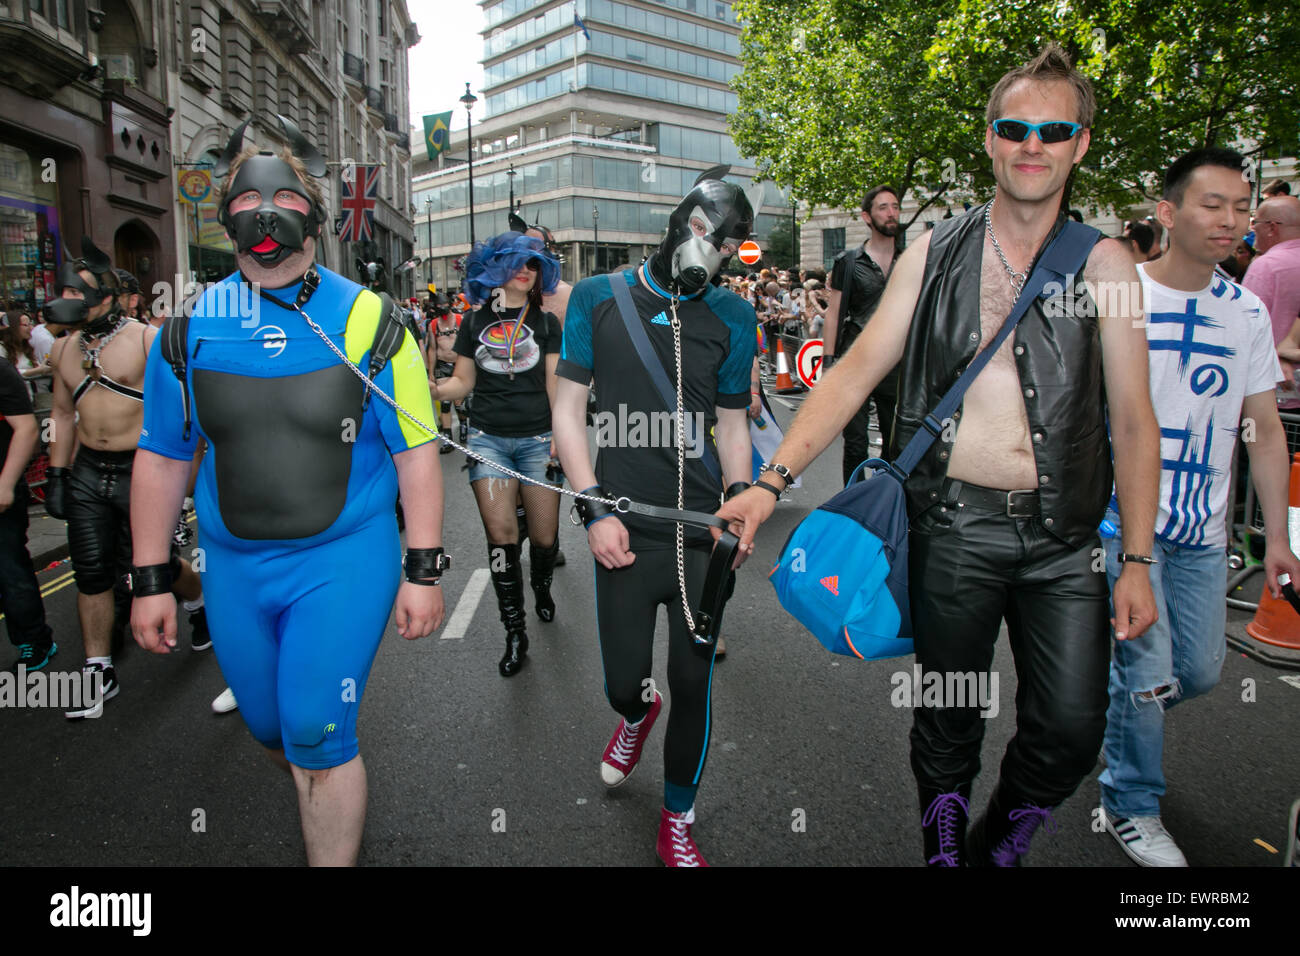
pixel 943 829
pixel 1001 837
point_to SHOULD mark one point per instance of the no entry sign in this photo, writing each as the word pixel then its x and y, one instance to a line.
pixel 808 364
pixel 749 252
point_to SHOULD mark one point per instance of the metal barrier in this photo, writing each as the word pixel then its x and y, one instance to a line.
pixel 1250 530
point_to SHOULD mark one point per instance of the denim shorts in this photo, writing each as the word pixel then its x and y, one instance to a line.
pixel 528 456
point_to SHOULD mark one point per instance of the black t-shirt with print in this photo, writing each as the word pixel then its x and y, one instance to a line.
pixel 15 399
pixel 518 406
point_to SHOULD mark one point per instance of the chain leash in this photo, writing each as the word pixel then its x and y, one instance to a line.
pixel 621 505
pixel 681 468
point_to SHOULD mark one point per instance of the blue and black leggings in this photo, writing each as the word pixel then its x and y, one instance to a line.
pixel 627 609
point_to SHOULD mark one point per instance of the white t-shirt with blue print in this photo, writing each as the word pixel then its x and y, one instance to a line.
pixel 1209 350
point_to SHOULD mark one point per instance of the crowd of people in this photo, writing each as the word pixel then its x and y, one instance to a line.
pixel 1094 422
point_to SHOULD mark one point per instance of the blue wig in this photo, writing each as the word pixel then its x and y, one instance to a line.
pixel 494 262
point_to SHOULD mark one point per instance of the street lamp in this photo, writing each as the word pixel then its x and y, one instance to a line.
pixel 469 99
pixel 510 175
pixel 428 205
pixel 794 235
pixel 595 243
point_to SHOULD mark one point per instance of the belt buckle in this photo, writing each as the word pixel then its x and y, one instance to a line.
pixel 1012 511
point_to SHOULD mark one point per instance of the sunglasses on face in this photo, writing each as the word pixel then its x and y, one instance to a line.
pixel 1017 131
pixel 533 265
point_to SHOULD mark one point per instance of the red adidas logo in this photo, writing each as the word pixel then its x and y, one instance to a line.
pixel 832 584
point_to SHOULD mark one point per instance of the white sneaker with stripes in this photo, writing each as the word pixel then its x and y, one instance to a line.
pixel 1145 840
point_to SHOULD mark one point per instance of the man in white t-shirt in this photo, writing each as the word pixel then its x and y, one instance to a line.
pixel 1213 368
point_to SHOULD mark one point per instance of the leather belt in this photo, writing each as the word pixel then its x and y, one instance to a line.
pixel 716 579
pixel 1023 503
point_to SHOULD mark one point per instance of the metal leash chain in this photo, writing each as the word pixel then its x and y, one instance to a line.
pixel 92 355
pixel 617 504
pixel 1018 279
pixel 681 466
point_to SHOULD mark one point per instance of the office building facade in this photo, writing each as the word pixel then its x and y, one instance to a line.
pixel 597 134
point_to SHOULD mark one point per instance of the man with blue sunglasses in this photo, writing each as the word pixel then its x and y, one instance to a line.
pixel 1005 506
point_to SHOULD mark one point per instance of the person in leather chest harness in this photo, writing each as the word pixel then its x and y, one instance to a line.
pixel 98 370
pixel 1004 513
pixel 295 495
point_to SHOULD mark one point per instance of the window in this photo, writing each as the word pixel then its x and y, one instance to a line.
pixel 832 245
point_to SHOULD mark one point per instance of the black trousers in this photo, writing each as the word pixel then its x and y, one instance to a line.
pixel 969 570
pixel 20 594
pixel 99 517
pixel 627 607
pixel 857 435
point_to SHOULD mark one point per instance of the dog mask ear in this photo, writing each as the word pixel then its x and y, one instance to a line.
pixel 233 146
pixel 298 144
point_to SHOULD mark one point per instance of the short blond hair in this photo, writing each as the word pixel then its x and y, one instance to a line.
pixel 1052 63
pixel 309 184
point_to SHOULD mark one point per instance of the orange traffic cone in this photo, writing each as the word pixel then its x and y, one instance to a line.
pixel 1276 622
pixel 784 384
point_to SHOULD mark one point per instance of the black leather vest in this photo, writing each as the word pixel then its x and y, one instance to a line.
pixel 1057 350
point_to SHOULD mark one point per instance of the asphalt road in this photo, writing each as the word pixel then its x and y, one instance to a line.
pixel 468 768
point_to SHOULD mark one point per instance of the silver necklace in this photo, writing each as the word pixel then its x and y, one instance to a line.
pixel 90 356
pixel 1018 279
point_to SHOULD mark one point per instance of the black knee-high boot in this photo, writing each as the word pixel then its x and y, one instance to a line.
pixel 541 563
pixel 508 582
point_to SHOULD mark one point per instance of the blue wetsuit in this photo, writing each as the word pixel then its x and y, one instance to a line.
pixel 301 559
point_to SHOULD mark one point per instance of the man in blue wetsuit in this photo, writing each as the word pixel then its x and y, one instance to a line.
pixel 295 495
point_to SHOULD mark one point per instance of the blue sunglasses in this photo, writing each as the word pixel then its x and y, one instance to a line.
pixel 1055 131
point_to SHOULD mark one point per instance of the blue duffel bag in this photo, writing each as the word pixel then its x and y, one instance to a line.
pixel 843 571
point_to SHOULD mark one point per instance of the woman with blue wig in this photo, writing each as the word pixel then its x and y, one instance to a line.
pixel 506 352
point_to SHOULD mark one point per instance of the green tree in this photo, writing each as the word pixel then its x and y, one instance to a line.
pixel 780 245
pixel 839 95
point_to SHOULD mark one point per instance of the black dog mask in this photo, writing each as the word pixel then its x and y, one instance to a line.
pixel 270 233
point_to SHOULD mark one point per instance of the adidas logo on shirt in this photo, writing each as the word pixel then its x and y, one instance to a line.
pixel 832 584
pixel 660 319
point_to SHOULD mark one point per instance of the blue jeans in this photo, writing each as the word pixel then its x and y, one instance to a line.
pixel 528 456
pixel 1177 658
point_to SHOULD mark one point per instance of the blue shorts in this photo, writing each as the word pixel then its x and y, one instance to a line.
pixel 296 630
pixel 528 456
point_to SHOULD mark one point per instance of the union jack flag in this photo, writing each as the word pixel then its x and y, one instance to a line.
pixel 358 219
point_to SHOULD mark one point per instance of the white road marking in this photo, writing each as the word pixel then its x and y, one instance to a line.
pixel 467 605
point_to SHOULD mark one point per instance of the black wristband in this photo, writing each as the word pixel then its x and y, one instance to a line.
pixel 55 472
pixel 763 484
pixel 735 488
pixel 425 565
pixel 590 512
pixel 1137 559
pixel 151 579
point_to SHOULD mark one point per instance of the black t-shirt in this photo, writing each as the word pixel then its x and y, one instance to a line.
pixel 635 428
pixel 858 301
pixel 15 399
pixel 859 297
pixel 505 404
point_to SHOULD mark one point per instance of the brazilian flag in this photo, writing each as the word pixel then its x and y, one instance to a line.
pixel 437 133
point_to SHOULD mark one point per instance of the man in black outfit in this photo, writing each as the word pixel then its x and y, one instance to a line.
pixel 857 282
pixel 1004 507
pixel 20 595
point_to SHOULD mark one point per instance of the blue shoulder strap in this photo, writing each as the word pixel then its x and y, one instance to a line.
pixel 1064 256
pixel 655 368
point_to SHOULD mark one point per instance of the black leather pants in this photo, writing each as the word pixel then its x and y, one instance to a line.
pixel 969 570
pixel 99 517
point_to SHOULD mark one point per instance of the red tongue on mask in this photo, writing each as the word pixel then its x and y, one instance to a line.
pixel 266 245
